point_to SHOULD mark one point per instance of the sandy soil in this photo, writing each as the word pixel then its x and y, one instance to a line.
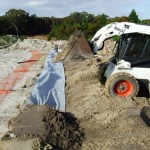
pixel 107 123
pixel 20 144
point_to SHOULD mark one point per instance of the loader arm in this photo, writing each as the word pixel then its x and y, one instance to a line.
pixel 116 28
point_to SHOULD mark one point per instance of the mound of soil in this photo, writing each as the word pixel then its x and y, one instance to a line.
pixel 109 123
pixel 58 129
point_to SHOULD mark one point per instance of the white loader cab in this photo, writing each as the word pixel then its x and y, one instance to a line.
pixel 129 69
pixel 130 66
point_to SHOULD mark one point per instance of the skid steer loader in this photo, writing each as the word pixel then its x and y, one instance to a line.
pixel 129 68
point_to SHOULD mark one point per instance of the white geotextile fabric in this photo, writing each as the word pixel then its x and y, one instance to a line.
pixel 50 86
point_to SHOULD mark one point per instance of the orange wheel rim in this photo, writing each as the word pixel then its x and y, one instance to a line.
pixel 123 88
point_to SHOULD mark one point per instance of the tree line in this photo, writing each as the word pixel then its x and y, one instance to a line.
pixel 21 23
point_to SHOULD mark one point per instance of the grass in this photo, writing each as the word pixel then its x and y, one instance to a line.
pixel 7 39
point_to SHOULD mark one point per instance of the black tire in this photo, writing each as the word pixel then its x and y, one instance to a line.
pixel 121 85
pixel 102 69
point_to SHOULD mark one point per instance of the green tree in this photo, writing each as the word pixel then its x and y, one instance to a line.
pixel 147 21
pixel 4 25
pixel 119 19
pixel 19 19
pixel 133 17
pixel 79 17
pixel 101 20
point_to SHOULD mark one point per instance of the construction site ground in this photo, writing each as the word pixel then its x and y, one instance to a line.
pixel 92 121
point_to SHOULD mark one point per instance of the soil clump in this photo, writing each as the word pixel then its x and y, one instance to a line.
pixel 57 129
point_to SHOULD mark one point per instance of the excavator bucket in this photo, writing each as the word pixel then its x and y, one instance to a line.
pixel 76 48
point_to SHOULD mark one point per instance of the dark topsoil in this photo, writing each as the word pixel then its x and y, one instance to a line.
pixel 58 129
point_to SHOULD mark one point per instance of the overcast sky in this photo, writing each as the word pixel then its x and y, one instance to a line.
pixel 62 8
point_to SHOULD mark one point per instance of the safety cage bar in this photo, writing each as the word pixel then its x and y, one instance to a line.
pixel 134 47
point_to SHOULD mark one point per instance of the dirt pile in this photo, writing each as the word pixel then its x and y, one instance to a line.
pixel 108 123
pixel 60 130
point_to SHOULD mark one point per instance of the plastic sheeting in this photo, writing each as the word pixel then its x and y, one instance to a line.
pixel 50 86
